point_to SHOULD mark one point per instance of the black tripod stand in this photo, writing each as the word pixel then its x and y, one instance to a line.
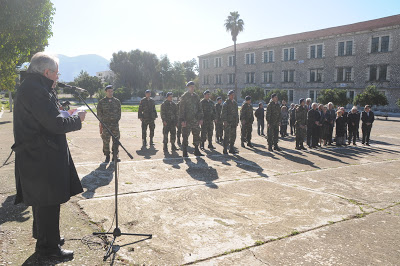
pixel 117 232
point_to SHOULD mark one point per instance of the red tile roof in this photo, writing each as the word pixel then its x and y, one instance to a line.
pixel 350 28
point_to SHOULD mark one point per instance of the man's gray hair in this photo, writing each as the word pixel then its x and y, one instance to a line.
pixel 42 61
pixel 314 104
pixel 308 100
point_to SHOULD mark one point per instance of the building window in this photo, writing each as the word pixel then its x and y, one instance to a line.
pixel 231 60
pixel 316 51
pixel 218 62
pixel 218 79
pixel 313 94
pixel 345 48
pixel 231 78
pixel 288 54
pixel 250 78
pixel 351 95
pixel 315 75
pixel 205 63
pixel 378 73
pixel 250 59
pixel 380 44
pixel 268 56
pixel 268 77
pixel 290 94
pixel 288 75
pixel 344 74
pixel 206 80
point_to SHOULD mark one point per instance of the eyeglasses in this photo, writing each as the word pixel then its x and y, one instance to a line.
pixel 58 73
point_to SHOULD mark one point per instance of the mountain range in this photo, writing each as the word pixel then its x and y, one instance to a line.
pixel 70 67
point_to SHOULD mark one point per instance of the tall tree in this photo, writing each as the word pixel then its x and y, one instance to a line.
pixel 25 27
pixel 90 83
pixel 234 25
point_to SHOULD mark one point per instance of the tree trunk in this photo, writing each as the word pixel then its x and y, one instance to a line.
pixel 10 101
pixel 234 62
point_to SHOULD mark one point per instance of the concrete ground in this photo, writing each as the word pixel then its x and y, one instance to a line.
pixel 323 206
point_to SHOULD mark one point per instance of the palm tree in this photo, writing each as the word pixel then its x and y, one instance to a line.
pixel 234 25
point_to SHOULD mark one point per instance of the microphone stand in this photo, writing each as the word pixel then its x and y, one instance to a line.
pixel 117 232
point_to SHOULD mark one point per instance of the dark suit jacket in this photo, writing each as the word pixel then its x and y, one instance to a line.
pixel 365 118
pixel 44 171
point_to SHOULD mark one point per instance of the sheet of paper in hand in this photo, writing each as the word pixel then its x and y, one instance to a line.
pixel 73 112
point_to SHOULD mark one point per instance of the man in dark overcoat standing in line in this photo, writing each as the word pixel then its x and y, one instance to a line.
pixel 45 174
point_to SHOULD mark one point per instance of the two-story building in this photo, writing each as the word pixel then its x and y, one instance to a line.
pixel 349 57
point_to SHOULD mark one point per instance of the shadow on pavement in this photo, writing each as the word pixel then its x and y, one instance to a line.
pixel 100 177
pixel 201 171
pixel 147 152
pixel 34 259
pixel 10 212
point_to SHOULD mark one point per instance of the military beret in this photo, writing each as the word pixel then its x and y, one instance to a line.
pixel 301 100
pixel 273 95
pixel 169 93
pixel 247 98
pixel 219 98
pixel 205 92
pixel 231 92
pixel 190 83
pixel 148 91
pixel 108 87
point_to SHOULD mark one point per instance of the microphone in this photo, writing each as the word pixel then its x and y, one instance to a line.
pixel 76 89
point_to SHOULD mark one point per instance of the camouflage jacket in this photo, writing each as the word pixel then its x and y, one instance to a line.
pixel 273 113
pixel 208 109
pixel 109 110
pixel 230 112
pixel 246 113
pixel 218 109
pixel 169 111
pixel 190 108
pixel 301 115
pixel 147 109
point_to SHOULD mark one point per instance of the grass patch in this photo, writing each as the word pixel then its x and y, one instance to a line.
pixel 259 243
pixel 331 222
pixel 294 232
pixel 128 183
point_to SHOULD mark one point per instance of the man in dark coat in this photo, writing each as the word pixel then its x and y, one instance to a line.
pixel 367 118
pixel 273 117
pixel 219 126
pixel 353 123
pixel 45 174
pixel 247 119
pixel 313 117
pixel 259 114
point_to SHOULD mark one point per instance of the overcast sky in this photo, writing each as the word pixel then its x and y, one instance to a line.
pixel 186 29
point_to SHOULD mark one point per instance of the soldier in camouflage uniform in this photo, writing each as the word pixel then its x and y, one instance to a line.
pixel 169 117
pixel 208 122
pixel 178 129
pixel 109 111
pixel 247 119
pixel 147 114
pixel 219 126
pixel 273 117
pixel 230 119
pixel 191 117
pixel 301 124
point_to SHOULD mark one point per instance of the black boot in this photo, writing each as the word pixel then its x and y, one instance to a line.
pixel 250 145
pixel 302 146
pixel 232 150
pixel 184 153
pixel 277 148
pixel 151 141
pixel 210 146
pixel 197 151
pixel 225 150
pixel 242 144
pixel 144 142
pixel 165 147
pixel 269 147
pixel 202 145
pixel 173 147
pixel 179 142
pixel 107 158
pixel 297 145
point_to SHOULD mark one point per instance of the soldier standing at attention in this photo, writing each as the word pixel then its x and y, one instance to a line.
pixel 207 127
pixel 301 124
pixel 247 119
pixel 219 127
pixel 230 118
pixel 169 117
pixel 191 118
pixel 109 111
pixel 273 117
pixel 178 127
pixel 147 114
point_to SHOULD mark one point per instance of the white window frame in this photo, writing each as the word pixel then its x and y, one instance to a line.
pixel 317 71
pixel 250 56
pixel 233 61
pixel 316 51
pixel 267 78
pixel 250 77
pixel 266 58
pixel 218 62
pixel 380 43
pixel 288 49
pixel 218 79
pixel 205 63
